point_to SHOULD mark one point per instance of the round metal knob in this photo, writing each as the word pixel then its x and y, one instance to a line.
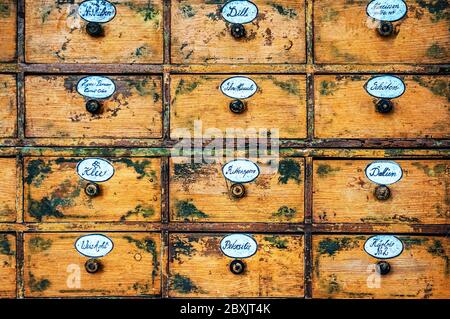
pixel 237 267
pixel 237 30
pixel 384 106
pixel 92 189
pixel 94 29
pixel 385 28
pixel 382 192
pixel 237 106
pixel 383 267
pixel 93 106
pixel 237 191
pixel 92 266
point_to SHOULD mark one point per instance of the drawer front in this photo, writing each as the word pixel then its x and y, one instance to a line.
pixel 8 105
pixel 201 35
pixel 54 192
pixel 134 35
pixel 55 108
pixel 278 102
pixel 8 30
pixel 54 267
pixel 7 266
pixel 344 109
pixel 8 190
pixel 344 33
pixel 342 269
pixel 342 193
pixel 198 268
pixel 200 192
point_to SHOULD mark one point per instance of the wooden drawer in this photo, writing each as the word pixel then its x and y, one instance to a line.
pixel 56 109
pixel 278 102
pixel 344 33
pixel 134 35
pixel 8 30
pixel 54 192
pixel 343 269
pixel 8 190
pixel 7 266
pixel 198 267
pixel 55 268
pixel 8 106
pixel 200 192
pixel 345 109
pixel 201 35
pixel 342 193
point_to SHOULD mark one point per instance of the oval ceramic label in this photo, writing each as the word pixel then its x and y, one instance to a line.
pixel 387 10
pixel 238 246
pixel 238 87
pixel 96 87
pixel 384 172
pixel 383 246
pixel 100 11
pixel 240 171
pixel 239 11
pixel 385 86
pixel 94 245
pixel 95 169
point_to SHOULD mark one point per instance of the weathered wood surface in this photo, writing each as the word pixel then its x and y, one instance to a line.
pixel 8 106
pixel 344 33
pixel 54 109
pixel 54 268
pixel 343 194
pixel 135 35
pixel 55 192
pixel 344 109
pixel 8 190
pixel 8 30
pixel 198 268
pixel 342 269
pixel 7 266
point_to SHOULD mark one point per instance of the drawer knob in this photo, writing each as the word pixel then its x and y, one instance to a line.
pixel 92 266
pixel 93 106
pixel 237 191
pixel 237 267
pixel 237 30
pixel 237 106
pixel 383 267
pixel 382 192
pixel 384 106
pixel 92 189
pixel 94 29
pixel 385 28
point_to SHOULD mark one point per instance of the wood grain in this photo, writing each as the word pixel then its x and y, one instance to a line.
pixel 54 268
pixel 7 266
pixel 343 194
pixel 342 269
pixel 198 268
pixel 8 106
pixel 8 30
pixel 135 35
pixel 8 189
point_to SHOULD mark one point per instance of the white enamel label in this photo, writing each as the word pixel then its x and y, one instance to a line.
pixel 238 87
pixel 97 87
pixel 384 172
pixel 95 169
pixel 94 245
pixel 239 11
pixel 387 10
pixel 238 246
pixel 385 86
pixel 240 171
pixel 100 11
pixel 383 246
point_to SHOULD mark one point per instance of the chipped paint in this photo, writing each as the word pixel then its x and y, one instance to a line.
pixel 287 12
pixel 435 51
pixel 181 247
pixel 37 171
pixel 324 169
pixel 289 169
pixel 436 249
pixel 5 10
pixel 291 86
pixel 139 167
pixel 187 11
pixel 438 9
pixel 276 242
pixel 139 210
pixel 38 285
pixel 285 212
pixel 147 11
pixel 436 86
pixel 5 245
pixel 436 170
pixel 38 244
pixel 182 284
pixel 147 244
pixel 327 88
pixel 186 210
pixel 410 242
pixel 330 246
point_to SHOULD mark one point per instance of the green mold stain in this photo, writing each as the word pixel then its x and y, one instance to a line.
pixel 290 13
pixel 288 169
pixel 39 244
pixel 141 51
pixel 437 87
pixel 146 212
pixel 438 8
pixel 291 86
pixel 436 249
pixel 182 284
pixel 333 285
pixel 285 212
pixel 185 170
pixel 187 11
pixel 435 51
pixel 5 246
pixel 437 170
pixel 185 87
pixel 147 244
pixel 5 10
pixel 188 211
pixel 409 242
pixel 147 11
pixel 327 88
pixel 45 12
pixel 181 247
pixel 37 170
pixel 330 15
pixel 144 88
pixel 330 246
pixel 213 16
pixel 276 242
pixel 325 169
pixel 38 285
pixel 139 167
pixel 342 55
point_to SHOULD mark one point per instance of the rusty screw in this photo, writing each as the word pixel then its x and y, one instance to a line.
pixel 92 189
pixel 382 192
pixel 383 267
pixel 237 191
pixel 92 266
pixel 237 267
